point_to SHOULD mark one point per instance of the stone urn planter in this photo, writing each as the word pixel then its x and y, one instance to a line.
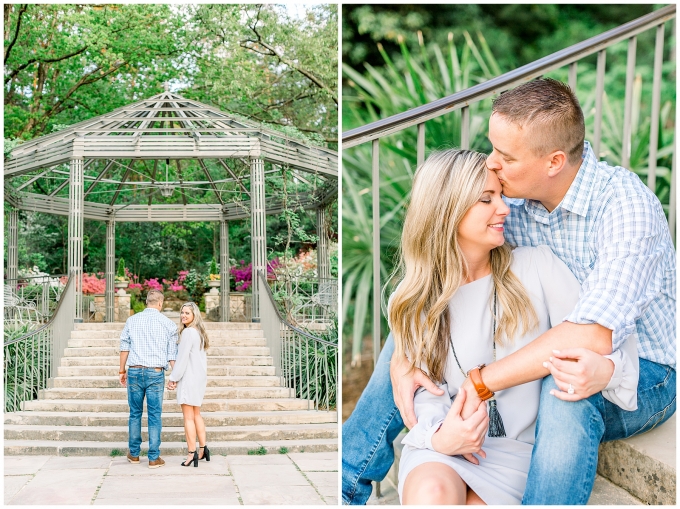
pixel 121 286
pixel 214 285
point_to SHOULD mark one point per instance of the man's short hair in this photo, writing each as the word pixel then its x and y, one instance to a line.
pixel 154 297
pixel 551 111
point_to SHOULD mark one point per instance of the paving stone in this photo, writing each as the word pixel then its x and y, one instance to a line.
pixel 60 462
pixel 267 475
pixel 274 495
pixel 122 467
pixel 59 487
pixel 323 478
pixel 173 488
pixel 317 465
pixel 13 483
pixel 18 465
pixel 265 459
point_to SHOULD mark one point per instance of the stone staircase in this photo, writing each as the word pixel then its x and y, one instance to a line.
pixel 84 412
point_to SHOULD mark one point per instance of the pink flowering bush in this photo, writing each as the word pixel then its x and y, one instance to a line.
pixel 92 284
pixel 243 274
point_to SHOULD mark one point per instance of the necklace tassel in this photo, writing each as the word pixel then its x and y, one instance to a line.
pixel 496 428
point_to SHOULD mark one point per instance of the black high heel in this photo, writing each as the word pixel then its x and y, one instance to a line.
pixel 194 460
pixel 206 453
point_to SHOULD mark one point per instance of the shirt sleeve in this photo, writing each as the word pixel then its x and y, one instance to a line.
pixel 173 335
pixel 430 411
pixel 622 388
pixel 125 338
pixel 616 292
pixel 182 356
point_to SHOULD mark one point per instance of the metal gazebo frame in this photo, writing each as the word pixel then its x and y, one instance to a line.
pixel 171 128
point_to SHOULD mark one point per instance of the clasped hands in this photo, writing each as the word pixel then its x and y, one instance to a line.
pixel 587 372
pixel 172 385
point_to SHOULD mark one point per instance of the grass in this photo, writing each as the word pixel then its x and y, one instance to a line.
pixel 261 451
pixel 143 453
pixel 116 452
pixel 283 450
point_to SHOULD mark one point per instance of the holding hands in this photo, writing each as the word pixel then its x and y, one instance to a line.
pixel 172 385
pixel 404 385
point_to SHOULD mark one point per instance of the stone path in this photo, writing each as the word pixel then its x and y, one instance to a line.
pixel 292 479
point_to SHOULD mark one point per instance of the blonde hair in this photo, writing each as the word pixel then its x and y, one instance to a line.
pixel 445 187
pixel 196 323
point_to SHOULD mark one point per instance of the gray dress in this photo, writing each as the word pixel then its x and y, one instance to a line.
pixel 191 369
pixel 501 477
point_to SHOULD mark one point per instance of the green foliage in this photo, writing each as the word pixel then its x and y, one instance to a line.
pixel 195 285
pixel 135 303
pixel 120 274
pixel 116 452
pixel 26 365
pixel 283 450
pixel 213 267
pixel 260 451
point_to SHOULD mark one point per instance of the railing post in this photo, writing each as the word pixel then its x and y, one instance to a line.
pixel 224 270
pixel 13 246
pixel 656 108
pixel 573 74
pixel 376 250
pixel 258 231
pixel 322 254
pixel 420 144
pixel 109 297
pixel 628 105
pixel 75 232
pixel 465 128
pixel 599 92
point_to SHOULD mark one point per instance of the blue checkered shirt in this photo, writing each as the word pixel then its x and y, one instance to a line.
pixel 611 231
pixel 151 339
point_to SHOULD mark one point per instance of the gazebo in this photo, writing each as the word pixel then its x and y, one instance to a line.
pixel 139 163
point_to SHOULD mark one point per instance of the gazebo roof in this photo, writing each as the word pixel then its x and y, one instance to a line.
pixel 117 147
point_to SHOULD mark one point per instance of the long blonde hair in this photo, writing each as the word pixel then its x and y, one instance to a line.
pixel 197 324
pixel 445 187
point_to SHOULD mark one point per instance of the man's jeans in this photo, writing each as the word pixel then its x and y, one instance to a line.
pixel 564 460
pixel 147 382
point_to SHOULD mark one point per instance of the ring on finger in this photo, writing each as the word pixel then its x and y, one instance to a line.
pixel 570 390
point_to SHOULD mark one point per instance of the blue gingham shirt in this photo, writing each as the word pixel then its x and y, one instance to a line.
pixel 611 231
pixel 151 339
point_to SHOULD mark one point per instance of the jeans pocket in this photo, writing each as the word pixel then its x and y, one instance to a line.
pixel 663 398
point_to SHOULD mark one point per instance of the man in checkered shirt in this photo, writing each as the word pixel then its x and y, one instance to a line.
pixel 147 344
pixel 611 231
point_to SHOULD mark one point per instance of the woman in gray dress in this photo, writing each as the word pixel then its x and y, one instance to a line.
pixel 465 300
pixel 190 377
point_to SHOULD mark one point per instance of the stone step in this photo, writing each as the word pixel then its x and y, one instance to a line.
pixel 118 326
pixel 232 405
pixel 121 393
pixel 108 351
pixel 108 382
pixel 223 341
pixel 170 433
pixel 251 418
pixel 644 465
pixel 213 360
pixel 50 448
pixel 226 370
pixel 213 334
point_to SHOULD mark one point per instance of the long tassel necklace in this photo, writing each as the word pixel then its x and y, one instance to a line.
pixel 496 428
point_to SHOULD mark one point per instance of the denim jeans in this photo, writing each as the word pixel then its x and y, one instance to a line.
pixel 367 435
pixel 147 382
pixel 567 434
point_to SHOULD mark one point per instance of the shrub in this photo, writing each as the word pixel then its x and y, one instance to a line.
pixel 261 451
pixel 120 275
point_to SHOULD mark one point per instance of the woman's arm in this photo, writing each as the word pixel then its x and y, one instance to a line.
pixel 182 361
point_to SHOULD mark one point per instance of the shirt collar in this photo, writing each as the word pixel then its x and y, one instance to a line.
pixel 152 309
pixel 577 199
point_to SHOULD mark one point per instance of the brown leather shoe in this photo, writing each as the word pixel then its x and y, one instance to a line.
pixel 132 459
pixel 158 462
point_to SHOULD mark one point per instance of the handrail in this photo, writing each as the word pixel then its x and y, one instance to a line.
pixel 265 284
pixel 395 123
pixel 48 324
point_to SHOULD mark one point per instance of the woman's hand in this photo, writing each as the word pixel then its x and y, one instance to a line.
pixel 172 385
pixel 405 382
pixel 587 372
pixel 462 436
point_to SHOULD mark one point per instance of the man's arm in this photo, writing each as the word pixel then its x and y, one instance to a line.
pixel 122 376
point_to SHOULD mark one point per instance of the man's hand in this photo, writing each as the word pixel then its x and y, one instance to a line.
pixel 472 400
pixel 588 375
pixel 404 386
pixel 123 379
pixel 462 436
pixel 172 385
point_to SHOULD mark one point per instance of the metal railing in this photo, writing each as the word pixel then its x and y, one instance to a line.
pixel 306 301
pixel 32 299
pixel 462 100
pixel 33 358
pixel 306 364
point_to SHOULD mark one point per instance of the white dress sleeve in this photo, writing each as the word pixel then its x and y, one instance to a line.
pixel 430 411
pixel 561 292
pixel 182 355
